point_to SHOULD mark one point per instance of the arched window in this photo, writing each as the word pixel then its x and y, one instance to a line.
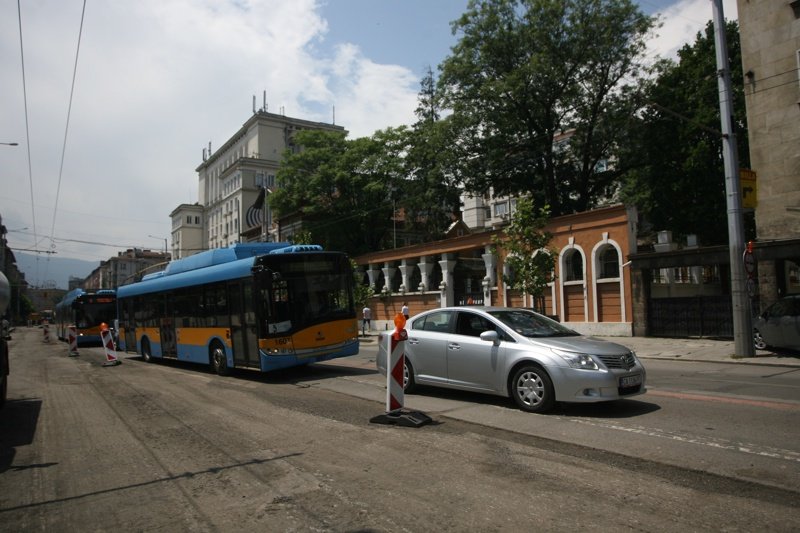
pixel 573 266
pixel 609 263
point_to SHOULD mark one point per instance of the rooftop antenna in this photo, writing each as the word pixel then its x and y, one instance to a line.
pixel 334 114
pixel 254 104
pixel 265 100
pixel 204 154
pixel 209 148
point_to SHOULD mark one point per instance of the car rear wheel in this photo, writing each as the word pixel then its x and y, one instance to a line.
pixel 408 377
pixel 532 389
pixel 758 340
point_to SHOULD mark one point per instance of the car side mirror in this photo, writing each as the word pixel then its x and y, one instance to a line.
pixel 491 336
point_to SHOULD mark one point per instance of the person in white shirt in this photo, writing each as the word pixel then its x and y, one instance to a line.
pixel 366 315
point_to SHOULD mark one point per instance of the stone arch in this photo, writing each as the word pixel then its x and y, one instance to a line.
pixel 572 283
pixel 608 289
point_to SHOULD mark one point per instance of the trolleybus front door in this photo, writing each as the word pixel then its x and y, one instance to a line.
pixel 243 325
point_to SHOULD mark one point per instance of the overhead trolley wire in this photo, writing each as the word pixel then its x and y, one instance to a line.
pixel 66 128
pixel 27 123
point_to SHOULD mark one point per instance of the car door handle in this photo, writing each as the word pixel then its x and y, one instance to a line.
pixel 413 341
pixel 454 346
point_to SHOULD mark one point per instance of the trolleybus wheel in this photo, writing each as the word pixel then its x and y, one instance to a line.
pixel 147 354
pixel 219 362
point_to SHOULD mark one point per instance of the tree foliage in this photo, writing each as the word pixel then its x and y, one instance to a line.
pixel 526 72
pixel 340 188
pixel 526 244
pixel 676 147
pixel 430 196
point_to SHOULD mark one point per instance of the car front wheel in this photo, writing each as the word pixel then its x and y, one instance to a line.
pixel 758 340
pixel 532 389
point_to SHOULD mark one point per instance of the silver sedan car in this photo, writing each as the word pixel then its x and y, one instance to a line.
pixel 779 325
pixel 517 353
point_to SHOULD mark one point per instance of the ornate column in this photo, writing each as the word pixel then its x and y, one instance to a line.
pixel 425 268
pixel 388 275
pixel 406 269
pixel 446 292
pixel 372 272
pixel 490 279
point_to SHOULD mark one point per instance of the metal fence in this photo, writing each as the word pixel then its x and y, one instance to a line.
pixel 696 316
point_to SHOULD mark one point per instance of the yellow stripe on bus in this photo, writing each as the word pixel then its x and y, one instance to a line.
pixel 311 339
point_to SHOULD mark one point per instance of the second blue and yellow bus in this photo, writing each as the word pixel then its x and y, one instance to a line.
pixel 260 306
pixel 86 310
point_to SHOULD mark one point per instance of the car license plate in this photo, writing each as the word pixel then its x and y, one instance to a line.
pixel 630 381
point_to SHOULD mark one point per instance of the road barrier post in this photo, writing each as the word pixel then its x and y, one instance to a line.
pixel 108 345
pixel 73 341
pixel 395 377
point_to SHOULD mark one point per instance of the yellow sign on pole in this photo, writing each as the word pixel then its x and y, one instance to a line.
pixel 749 186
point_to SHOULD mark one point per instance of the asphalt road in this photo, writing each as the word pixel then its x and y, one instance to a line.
pixel 171 447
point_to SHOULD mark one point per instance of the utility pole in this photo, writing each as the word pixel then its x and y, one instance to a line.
pixel 742 317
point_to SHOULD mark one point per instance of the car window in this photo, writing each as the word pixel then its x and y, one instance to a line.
pixel 530 324
pixel 778 309
pixel 436 321
pixel 472 324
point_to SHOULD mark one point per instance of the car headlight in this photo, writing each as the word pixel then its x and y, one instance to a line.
pixel 583 361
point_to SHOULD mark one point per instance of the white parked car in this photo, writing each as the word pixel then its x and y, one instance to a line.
pixel 514 352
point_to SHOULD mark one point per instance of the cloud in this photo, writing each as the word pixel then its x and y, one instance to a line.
pixel 156 82
pixel 682 21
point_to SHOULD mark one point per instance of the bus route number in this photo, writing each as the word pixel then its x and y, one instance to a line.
pixel 282 341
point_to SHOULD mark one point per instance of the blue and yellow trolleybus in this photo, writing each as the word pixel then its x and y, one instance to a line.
pixel 86 310
pixel 263 306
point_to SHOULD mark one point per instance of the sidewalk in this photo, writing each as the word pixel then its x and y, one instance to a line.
pixel 699 349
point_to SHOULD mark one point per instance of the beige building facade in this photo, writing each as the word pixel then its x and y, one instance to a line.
pixel 770 42
pixel 230 180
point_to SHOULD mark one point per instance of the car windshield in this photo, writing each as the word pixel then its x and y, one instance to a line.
pixel 530 324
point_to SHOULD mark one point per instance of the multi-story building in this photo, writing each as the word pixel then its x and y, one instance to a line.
pixel 231 180
pixel 126 267
pixel 187 230
pixel 770 40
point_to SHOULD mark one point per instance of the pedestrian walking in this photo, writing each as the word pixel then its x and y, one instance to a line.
pixel 366 315
pixel 404 310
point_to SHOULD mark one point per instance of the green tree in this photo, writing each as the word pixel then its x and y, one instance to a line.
pixel 361 290
pixel 676 148
pixel 526 243
pixel 429 196
pixel 339 188
pixel 527 74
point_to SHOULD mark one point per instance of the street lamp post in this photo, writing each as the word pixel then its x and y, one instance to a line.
pixel 160 239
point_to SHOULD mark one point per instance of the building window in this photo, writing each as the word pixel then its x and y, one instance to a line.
pixel 609 263
pixel 573 266
pixel 501 210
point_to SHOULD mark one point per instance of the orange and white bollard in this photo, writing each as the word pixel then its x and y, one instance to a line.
pixel 395 377
pixel 46 331
pixel 108 345
pixel 72 337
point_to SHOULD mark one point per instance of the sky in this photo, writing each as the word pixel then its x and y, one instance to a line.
pixel 156 80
